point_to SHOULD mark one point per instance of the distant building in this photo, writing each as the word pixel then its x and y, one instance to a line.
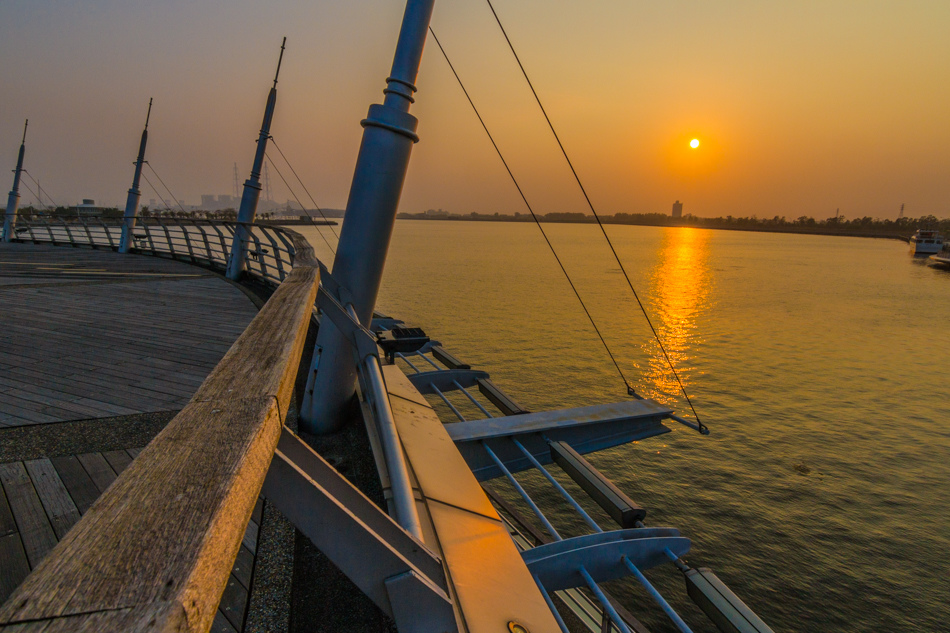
pixel 88 208
pixel 210 202
pixel 677 209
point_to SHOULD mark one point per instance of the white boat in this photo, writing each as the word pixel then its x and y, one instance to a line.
pixel 925 242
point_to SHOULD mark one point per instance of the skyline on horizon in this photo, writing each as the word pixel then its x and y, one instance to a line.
pixel 798 110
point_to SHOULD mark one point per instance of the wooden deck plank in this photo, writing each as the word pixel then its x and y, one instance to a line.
pixel 7 524
pixel 98 470
pixel 244 567
pixel 258 510
pixel 56 401
pixel 32 523
pixel 13 402
pixel 14 566
pixel 168 326
pixel 77 495
pixel 60 508
pixel 221 624
pixel 250 537
pixel 77 481
pixel 118 460
pixel 234 603
pixel 95 396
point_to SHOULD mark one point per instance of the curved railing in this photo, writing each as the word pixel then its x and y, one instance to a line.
pixel 155 550
pixel 269 254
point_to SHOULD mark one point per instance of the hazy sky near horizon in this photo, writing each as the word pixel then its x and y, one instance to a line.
pixel 800 107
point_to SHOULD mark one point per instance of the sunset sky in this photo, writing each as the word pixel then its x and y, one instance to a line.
pixel 800 107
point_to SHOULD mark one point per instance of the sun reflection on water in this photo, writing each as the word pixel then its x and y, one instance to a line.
pixel 680 294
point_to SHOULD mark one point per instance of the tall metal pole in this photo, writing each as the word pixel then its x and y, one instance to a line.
pixel 388 136
pixel 132 203
pixel 13 200
pixel 252 186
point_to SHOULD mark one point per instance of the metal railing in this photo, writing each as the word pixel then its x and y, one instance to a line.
pixel 269 253
pixel 269 256
pixel 172 559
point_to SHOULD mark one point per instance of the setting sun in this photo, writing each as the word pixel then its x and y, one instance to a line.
pixel 694 143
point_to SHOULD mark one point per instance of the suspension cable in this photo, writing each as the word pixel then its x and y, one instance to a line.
pixel 160 197
pixel 174 197
pixel 314 202
pixel 284 180
pixel 36 195
pixel 33 193
pixel 533 215
pixel 702 427
pixel 40 190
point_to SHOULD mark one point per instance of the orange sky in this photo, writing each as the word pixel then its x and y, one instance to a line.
pixel 801 108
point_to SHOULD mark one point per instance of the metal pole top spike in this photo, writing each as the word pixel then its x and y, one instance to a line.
pixel 283 45
pixel 149 115
pixel 25 125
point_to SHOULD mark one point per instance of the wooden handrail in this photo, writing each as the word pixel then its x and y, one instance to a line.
pixel 155 551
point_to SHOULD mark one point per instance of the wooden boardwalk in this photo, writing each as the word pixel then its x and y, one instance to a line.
pixel 41 499
pixel 88 334
pixel 91 334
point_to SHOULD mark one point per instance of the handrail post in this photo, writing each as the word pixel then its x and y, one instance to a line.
pixel 13 200
pixel 389 132
pixel 132 203
pixel 252 186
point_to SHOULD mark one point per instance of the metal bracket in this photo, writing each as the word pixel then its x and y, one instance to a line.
pixel 446 379
pixel 601 554
pixel 334 287
pixel 418 607
pixel 362 339
pixel 397 572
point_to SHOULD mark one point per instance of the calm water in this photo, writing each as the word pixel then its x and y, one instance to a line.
pixel 819 363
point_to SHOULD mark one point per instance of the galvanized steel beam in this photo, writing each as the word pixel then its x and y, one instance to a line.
pixel 252 186
pixel 132 203
pixel 13 200
pixel 388 136
pixel 399 574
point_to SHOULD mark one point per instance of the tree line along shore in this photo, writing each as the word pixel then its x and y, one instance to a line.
pixel 901 228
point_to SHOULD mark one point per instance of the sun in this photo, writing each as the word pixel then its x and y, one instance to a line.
pixel 694 143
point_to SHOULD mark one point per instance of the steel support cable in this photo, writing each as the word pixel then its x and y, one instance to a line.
pixel 286 184
pixel 531 211
pixel 315 205
pixel 160 197
pixel 174 197
pixel 33 193
pixel 702 427
pixel 40 190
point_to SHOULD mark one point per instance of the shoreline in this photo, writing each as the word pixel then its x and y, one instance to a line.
pixel 297 222
pixel 609 220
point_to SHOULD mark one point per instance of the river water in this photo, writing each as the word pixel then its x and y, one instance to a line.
pixel 820 363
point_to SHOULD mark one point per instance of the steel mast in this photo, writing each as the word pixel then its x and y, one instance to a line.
pixel 389 132
pixel 252 186
pixel 13 200
pixel 132 203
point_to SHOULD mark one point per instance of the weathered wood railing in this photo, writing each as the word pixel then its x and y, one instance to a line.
pixel 154 552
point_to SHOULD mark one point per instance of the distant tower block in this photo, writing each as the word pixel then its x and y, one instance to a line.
pixel 677 209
